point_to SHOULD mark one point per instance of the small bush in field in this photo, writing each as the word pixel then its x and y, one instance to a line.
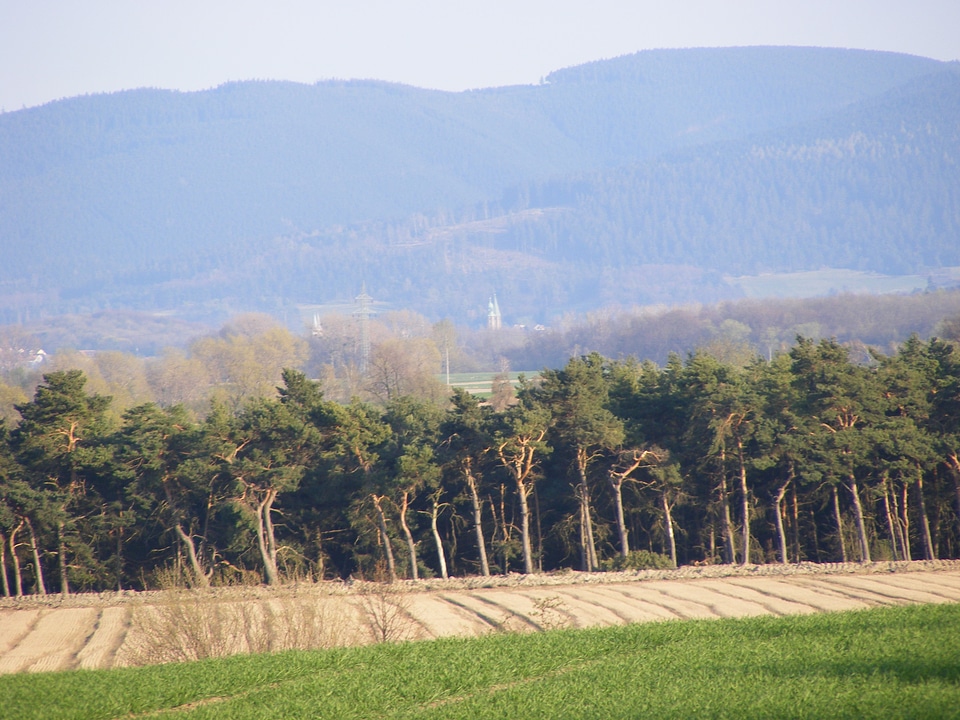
pixel 192 625
pixel 638 560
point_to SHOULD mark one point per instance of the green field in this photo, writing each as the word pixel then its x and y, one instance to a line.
pixel 480 383
pixel 892 662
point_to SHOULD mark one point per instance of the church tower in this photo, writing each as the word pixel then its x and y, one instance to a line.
pixel 493 314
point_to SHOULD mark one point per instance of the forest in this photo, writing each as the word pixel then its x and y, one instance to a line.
pixel 808 455
pixel 638 180
pixel 192 467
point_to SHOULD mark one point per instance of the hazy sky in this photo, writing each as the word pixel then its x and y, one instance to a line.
pixel 51 49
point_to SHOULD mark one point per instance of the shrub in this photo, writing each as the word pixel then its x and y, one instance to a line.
pixel 638 560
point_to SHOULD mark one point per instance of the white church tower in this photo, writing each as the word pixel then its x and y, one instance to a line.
pixel 493 314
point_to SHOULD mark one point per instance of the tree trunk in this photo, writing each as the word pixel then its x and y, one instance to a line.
pixel 621 523
pixel 584 557
pixel 411 546
pixel 616 478
pixel 668 523
pixel 35 552
pixel 186 541
pixel 796 522
pixel 496 521
pixel 898 525
pixel 271 535
pixel 435 509
pixel 501 524
pixel 62 556
pixel 954 461
pixel 745 503
pixel 861 524
pixel 894 544
pixel 905 521
pixel 928 552
pixel 15 561
pixel 839 519
pixel 118 567
pixel 816 538
pixel 199 576
pixel 387 550
pixel 778 511
pixel 936 513
pixel 265 538
pixel 536 506
pixel 477 523
pixel 3 565
pixel 523 493
pixel 586 520
pixel 205 532
pixel 729 544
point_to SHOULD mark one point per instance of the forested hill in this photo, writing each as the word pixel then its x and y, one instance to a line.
pixel 875 186
pixel 261 195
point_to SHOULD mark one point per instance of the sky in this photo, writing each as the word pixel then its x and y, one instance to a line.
pixel 51 49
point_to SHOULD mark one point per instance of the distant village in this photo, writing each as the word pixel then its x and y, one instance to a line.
pixel 13 358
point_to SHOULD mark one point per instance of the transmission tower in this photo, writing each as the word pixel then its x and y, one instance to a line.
pixel 363 313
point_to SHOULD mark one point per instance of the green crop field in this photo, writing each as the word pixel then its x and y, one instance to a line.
pixel 892 662
pixel 481 383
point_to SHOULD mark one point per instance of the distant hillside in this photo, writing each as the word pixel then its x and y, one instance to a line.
pixel 640 179
pixel 875 186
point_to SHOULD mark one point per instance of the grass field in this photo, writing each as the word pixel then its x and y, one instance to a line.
pixel 893 662
pixel 480 383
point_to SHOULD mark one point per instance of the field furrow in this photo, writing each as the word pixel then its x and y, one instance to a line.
pixel 793 590
pixel 685 608
pixel 579 612
pixel 445 616
pixel 53 643
pixel 648 606
pixel 15 625
pixel 896 592
pixel 771 604
pixel 614 604
pixel 830 586
pixel 55 634
pixel 111 629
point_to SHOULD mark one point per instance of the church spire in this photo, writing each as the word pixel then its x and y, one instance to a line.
pixel 494 319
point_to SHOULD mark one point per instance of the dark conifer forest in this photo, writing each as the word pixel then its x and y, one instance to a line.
pixel 598 465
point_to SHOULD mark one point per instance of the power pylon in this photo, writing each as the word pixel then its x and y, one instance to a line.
pixel 363 313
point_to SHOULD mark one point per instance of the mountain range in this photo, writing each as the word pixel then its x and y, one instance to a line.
pixel 658 177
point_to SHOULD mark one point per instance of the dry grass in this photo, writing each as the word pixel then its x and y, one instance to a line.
pixel 386 612
pixel 188 625
pixel 548 613
pixel 551 613
pixel 184 625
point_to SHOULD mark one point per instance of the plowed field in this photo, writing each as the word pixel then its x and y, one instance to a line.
pixel 116 629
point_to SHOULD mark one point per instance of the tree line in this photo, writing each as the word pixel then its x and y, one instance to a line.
pixel 808 456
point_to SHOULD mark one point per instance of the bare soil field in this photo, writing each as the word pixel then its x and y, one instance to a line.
pixel 129 628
